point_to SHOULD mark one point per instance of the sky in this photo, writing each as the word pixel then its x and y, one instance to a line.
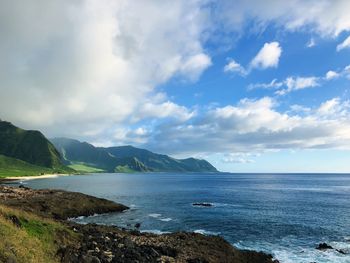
pixel 251 86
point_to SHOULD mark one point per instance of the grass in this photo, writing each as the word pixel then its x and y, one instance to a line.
pixel 14 167
pixel 81 167
pixel 124 169
pixel 37 240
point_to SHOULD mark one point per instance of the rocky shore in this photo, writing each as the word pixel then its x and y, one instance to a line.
pixel 96 243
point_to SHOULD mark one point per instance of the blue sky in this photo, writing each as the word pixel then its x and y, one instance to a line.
pixel 249 86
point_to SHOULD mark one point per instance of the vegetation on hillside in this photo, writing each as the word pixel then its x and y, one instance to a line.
pixel 27 153
pixel 29 238
pixel 14 167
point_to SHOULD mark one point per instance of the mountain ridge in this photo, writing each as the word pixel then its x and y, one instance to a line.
pixel 125 158
pixel 27 152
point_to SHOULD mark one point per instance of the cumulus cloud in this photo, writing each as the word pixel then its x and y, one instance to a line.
pixel 344 44
pixel 298 83
pixel 268 56
pixel 331 75
pixel 256 126
pixel 83 64
pixel 233 66
pixel 327 18
pixel 288 85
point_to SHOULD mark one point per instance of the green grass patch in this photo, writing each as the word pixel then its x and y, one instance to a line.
pixel 36 240
pixel 13 167
pixel 124 169
pixel 82 167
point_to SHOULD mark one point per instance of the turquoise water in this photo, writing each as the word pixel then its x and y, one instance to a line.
pixel 283 214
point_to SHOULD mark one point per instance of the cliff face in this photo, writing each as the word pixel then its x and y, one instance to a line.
pixel 37 216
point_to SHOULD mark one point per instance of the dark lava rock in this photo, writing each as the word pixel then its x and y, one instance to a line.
pixel 341 251
pixel 14 219
pixel 138 225
pixel 203 204
pixel 57 204
pixel 323 246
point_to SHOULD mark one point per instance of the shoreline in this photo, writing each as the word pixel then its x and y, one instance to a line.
pixel 32 177
pixel 110 243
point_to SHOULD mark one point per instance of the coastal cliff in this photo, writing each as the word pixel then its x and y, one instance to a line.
pixel 35 221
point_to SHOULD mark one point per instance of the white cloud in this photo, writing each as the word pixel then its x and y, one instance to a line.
pixel 239 158
pixel 195 65
pixel 331 75
pixel 344 44
pixel 311 43
pixel 233 66
pixel 256 126
pixel 268 56
pixel 163 110
pixel 291 84
pixel 328 18
pixel 298 83
pixel 274 84
pixel 85 64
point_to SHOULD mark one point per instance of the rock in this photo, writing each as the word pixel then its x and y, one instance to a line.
pixel 15 221
pixel 93 259
pixel 323 246
pixel 197 260
pixel 109 255
pixel 138 225
pixel 203 204
pixel 341 251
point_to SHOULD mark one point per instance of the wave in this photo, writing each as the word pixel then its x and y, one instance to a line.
pixel 155 231
pixel 154 215
pixel 166 219
pixel 206 232
pixel 301 254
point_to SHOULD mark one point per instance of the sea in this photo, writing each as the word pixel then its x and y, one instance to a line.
pixel 286 215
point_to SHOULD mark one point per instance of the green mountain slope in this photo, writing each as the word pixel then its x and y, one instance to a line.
pixel 28 146
pixel 84 156
pixel 14 167
pixel 75 152
pixel 25 152
pixel 162 163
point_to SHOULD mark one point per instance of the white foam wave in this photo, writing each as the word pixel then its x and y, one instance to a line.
pixel 154 215
pixel 299 254
pixel 166 219
pixel 206 232
pixel 155 231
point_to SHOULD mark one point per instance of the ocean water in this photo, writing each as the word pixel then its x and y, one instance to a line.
pixel 286 215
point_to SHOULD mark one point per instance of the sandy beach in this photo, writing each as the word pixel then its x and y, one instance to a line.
pixel 34 177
